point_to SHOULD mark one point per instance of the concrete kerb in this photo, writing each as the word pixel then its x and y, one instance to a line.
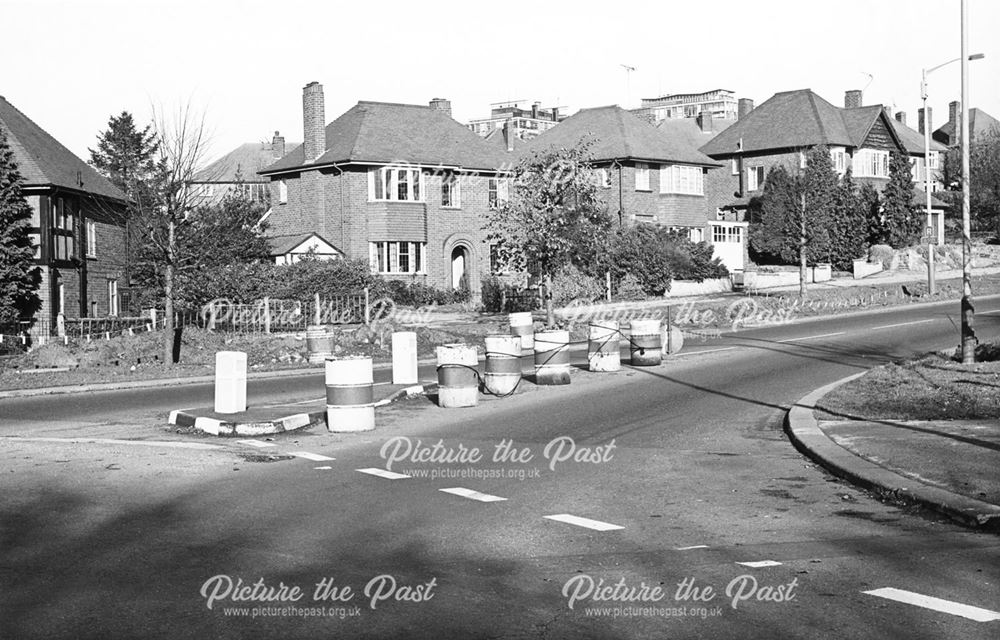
pixel 804 432
pixel 216 427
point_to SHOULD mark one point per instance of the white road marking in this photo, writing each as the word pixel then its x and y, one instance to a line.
pixel 988 313
pixel 260 444
pixel 315 457
pixel 584 522
pixel 694 546
pixel 694 353
pixel 323 468
pixel 473 495
pixel 382 473
pixel 901 324
pixel 825 335
pixel 147 443
pixel 936 604
pixel 759 564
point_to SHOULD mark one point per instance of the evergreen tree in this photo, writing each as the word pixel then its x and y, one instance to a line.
pixel 901 223
pixel 820 186
pixel 773 238
pixel 19 278
pixel 127 157
pixel 849 228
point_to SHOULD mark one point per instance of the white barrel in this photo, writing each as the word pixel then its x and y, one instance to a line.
pixel 319 343
pixel 521 324
pixel 230 382
pixel 603 347
pixel 458 380
pixel 404 357
pixel 503 364
pixel 350 401
pixel 552 357
pixel 672 339
pixel 646 343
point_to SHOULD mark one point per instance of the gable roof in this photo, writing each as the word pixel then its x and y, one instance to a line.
pixel 619 135
pixel 980 123
pixel 44 161
pixel 913 140
pixel 382 132
pixel 245 160
pixel 687 129
pixel 280 245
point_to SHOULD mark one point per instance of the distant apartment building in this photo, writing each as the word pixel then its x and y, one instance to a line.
pixel 526 121
pixel 722 104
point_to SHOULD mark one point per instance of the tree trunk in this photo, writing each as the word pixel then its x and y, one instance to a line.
pixel 168 299
pixel 550 318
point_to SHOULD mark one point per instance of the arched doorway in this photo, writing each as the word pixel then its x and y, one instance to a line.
pixel 459 267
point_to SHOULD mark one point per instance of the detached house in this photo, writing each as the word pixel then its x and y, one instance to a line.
pixel 404 186
pixel 238 170
pixel 784 128
pixel 77 225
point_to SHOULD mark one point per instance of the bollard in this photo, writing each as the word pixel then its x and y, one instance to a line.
pixel 503 364
pixel 350 402
pixel 603 350
pixel 552 357
pixel 522 325
pixel 646 347
pixel 319 343
pixel 404 357
pixel 458 381
pixel 230 382
pixel 672 339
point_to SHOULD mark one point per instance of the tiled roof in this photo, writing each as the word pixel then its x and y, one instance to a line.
pixel 619 135
pixel 790 119
pixel 245 160
pixel 280 245
pixel 980 123
pixel 44 161
pixel 384 132
pixel 914 140
pixel 687 129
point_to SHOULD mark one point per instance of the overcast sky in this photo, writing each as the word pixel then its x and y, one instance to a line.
pixel 69 65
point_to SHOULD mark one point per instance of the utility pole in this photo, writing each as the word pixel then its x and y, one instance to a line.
pixel 968 344
pixel 628 84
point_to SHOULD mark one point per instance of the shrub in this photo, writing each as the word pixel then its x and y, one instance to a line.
pixel 881 253
pixel 571 284
pixel 492 291
pixel 328 278
pixel 630 288
pixel 418 294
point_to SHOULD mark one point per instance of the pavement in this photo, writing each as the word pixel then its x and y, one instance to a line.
pixel 947 466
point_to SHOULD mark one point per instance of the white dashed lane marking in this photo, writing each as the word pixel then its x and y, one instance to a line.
pixel 694 546
pixel 936 604
pixel 382 473
pixel 901 324
pixel 323 468
pixel 315 457
pixel 825 335
pixel 597 525
pixel 759 564
pixel 472 495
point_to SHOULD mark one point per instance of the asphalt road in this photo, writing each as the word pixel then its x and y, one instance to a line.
pixel 683 469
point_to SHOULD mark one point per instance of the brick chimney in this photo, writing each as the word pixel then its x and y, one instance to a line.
pixel 704 121
pixel 534 109
pixel 954 112
pixel 744 106
pixel 920 119
pixel 313 122
pixel 441 105
pixel 508 135
pixel 852 99
pixel 278 145
pixel 901 117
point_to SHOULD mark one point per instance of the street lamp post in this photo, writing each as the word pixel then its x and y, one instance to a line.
pixel 931 227
pixel 968 345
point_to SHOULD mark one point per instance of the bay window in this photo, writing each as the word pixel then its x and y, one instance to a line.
pixel 682 179
pixel 871 163
pixel 403 184
pixel 398 257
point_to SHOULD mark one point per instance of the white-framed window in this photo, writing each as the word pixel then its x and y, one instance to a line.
pixel 451 191
pixel 696 234
pixel 397 257
pixel 871 163
pixel 91 239
pixel 755 178
pixel 734 167
pixel 112 297
pixel 839 157
pixel 282 192
pixel 63 229
pixel 726 233
pixel 932 160
pixel 676 178
pixel 641 176
pixel 603 178
pixel 404 184
pixel 498 190
pixel 802 160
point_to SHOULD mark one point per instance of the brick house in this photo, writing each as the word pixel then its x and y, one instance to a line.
pixel 404 186
pixel 77 225
pixel 784 128
pixel 980 123
pixel 239 168
pixel 646 174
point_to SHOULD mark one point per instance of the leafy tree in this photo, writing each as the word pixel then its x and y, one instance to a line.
pixel 984 180
pixel 19 279
pixel 554 216
pixel 901 223
pixel 655 256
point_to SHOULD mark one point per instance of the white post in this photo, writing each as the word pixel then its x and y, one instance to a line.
pixel 152 318
pixel 404 357
pixel 316 316
pixel 230 382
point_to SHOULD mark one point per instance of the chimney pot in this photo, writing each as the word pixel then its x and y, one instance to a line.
pixel 953 111
pixel 901 117
pixel 744 106
pixel 313 122
pixel 278 145
pixel 852 99
pixel 441 104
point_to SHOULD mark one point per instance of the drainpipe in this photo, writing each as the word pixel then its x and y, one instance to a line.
pixel 621 199
pixel 343 216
